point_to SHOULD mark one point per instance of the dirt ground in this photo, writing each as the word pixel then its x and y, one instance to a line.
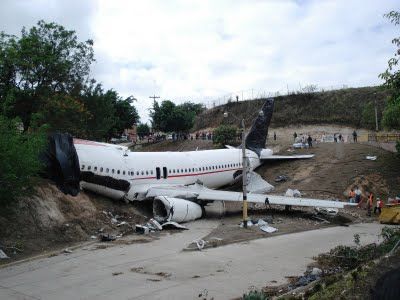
pixel 50 220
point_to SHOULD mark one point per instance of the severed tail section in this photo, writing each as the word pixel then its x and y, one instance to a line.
pixel 256 138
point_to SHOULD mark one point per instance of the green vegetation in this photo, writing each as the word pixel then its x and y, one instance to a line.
pixel 18 159
pixel 255 295
pixel 169 117
pixel 45 86
pixel 392 80
pixel 225 134
pixel 143 130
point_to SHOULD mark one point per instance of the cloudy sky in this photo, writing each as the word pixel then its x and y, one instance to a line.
pixel 204 50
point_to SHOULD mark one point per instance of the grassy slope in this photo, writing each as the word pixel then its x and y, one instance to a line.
pixel 342 107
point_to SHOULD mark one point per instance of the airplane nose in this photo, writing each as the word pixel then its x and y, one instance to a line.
pixel 61 163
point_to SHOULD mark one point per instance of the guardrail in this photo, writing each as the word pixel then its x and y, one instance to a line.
pixel 384 137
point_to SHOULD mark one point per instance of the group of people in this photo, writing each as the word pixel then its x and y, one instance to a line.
pixel 309 139
pixel 355 196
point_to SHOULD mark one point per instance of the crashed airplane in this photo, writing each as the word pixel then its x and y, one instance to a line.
pixel 180 184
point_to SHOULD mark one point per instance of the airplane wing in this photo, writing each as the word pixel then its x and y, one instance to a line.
pixel 199 192
pixel 184 203
pixel 286 157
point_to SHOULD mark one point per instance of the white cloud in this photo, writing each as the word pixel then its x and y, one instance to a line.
pixel 202 50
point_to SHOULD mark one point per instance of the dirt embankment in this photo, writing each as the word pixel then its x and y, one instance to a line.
pixel 50 220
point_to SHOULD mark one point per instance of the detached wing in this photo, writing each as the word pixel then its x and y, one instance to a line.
pixel 199 192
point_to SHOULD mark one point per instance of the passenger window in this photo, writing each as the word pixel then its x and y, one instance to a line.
pixel 142 173
pixel 181 170
pixel 185 170
pixel 112 171
pixel 137 172
pixel 147 172
pixel 83 167
pixel 117 171
pixel 107 170
pixel 95 168
pixel 151 172
pixel 101 169
pixel 123 172
pixel 177 170
pixel 89 168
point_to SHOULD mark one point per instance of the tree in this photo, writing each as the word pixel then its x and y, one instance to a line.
pixel 169 117
pixel 19 163
pixel 392 80
pixel 46 60
pixel 101 116
pixel 142 130
pixel 225 134
pixel 126 114
pixel 368 115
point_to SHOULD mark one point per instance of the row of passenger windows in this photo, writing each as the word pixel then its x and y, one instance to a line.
pixel 170 171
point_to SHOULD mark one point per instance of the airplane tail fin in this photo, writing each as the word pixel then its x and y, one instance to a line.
pixel 61 163
pixel 257 136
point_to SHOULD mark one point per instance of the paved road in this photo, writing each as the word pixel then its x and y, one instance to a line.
pixel 225 272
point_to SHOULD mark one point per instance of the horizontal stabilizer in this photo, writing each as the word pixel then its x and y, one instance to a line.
pixel 286 157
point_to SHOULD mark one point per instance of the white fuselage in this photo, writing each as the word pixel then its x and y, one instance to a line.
pixel 214 168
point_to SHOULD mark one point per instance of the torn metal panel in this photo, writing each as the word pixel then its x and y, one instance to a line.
pixel 175 209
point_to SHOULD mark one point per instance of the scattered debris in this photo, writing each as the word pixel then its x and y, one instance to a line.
pixel 268 229
pixel 67 251
pixel 3 255
pixel 281 178
pixel 173 225
pixel 292 193
pixel 155 224
pixel 142 229
pixel 107 237
pixel 93 237
pixel 327 211
pixel 371 157
pixel 122 223
pixel 117 273
pixel 153 279
pixel 316 271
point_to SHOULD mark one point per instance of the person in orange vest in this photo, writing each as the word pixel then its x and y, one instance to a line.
pixel 352 196
pixel 370 203
pixel 378 206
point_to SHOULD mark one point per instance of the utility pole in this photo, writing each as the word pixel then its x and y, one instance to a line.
pixel 244 175
pixel 154 97
pixel 376 114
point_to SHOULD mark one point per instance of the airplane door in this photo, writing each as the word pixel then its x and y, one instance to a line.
pixel 158 173
pixel 165 172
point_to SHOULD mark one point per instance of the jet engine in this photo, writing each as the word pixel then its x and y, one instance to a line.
pixel 175 209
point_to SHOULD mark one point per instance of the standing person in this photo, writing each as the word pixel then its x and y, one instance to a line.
pixel 340 137
pixel 274 136
pixel 378 206
pixel 357 193
pixel 370 203
pixel 309 140
pixel 352 196
pixel 295 136
pixel 354 136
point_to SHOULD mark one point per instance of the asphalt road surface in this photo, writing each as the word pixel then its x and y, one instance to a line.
pixel 161 270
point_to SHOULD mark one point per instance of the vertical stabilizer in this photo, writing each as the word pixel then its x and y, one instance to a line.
pixel 257 136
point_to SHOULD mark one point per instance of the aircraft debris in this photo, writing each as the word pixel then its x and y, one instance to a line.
pixel 268 229
pixel 122 223
pixel 156 224
pixel 67 251
pixel 256 184
pixel 173 225
pixel 142 229
pixel 3 255
pixel 371 157
pixel 93 237
pixel 107 237
pixel 327 211
pixel 316 271
pixel 292 193
pixel 281 178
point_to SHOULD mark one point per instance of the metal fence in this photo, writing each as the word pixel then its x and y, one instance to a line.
pixel 252 94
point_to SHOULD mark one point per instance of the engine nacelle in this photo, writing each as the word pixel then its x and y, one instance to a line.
pixel 175 209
